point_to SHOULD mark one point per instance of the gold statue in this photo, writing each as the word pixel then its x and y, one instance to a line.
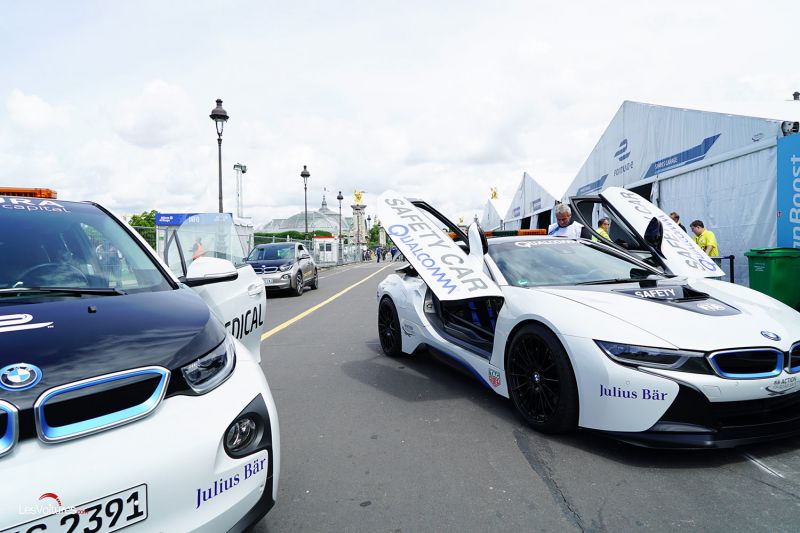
pixel 460 220
pixel 494 193
pixel 357 195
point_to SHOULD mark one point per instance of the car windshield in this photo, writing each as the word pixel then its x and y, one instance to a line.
pixel 272 252
pixel 538 262
pixel 50 244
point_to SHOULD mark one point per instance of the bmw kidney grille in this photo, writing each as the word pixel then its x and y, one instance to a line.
pixel 755 363
pixel 96 404
pixel 9 427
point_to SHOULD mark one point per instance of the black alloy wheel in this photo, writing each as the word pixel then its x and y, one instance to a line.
pixel 298 284
pixel 315 281
pixel 541 382
pixel 389 328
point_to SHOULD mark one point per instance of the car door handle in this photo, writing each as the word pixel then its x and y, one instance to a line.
pixel 255 289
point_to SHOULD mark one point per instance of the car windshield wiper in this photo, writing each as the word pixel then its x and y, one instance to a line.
pixel 77 291
pixel 605 281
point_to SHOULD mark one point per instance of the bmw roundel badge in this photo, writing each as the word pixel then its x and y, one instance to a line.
pixel 20 376
pixel 771 336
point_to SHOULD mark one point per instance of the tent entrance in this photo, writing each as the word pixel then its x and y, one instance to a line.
pixel 644 190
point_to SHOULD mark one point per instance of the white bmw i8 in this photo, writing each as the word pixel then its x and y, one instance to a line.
pixel 634 338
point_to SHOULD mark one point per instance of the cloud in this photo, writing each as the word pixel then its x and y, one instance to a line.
pixel 33 113
pixel 154 118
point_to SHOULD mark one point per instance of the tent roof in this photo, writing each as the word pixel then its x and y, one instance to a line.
pixel 644 140
pixel 530 198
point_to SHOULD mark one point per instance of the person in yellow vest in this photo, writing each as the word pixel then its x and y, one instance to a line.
pixel 603 226
pixel 705 238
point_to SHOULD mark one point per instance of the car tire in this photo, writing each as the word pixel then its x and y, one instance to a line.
pixel 389 328
pixel 315 280
pixel 541 382
pixel 298 285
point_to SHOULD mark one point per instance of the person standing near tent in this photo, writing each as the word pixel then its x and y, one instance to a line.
pixel 676 218
pixel 603 225
pixel 565 227
pixel 705 238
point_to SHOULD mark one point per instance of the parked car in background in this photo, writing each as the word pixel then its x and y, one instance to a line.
pixel 284 265
pixel 131 395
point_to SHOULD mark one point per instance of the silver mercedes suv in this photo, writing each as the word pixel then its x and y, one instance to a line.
pixel 284 265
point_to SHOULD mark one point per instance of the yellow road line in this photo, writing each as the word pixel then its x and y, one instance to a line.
pixel 310 310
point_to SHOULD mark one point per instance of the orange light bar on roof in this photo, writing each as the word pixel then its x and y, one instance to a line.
pixel 28 192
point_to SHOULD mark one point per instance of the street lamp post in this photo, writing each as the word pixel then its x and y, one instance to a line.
pixel 305 174
pixel 219 116
pixel 339 247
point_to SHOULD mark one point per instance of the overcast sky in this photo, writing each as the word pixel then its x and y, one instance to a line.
pixel 109 101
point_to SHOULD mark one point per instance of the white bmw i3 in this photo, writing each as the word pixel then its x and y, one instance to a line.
pixel 636 338
pixel 131 394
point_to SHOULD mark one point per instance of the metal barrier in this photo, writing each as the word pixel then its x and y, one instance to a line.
pixel 730 271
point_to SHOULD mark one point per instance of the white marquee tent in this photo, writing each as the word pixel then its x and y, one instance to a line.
pixel 494 213
pixel 715 167
pixel 530 207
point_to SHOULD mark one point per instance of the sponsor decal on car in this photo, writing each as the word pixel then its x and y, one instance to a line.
pixel 446 269
pixel 494 378
pixel 20 322
pixel 642 394
pixel 31 204
pixel 225 484
pixel 782 386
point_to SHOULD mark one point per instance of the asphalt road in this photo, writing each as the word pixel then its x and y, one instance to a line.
pixel 375 444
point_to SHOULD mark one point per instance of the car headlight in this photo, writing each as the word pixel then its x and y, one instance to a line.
pixel 629 354
pixel 284 267
pixel 212 369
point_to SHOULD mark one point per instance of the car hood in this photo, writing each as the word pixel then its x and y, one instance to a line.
pixel 75 338
pixel 693 315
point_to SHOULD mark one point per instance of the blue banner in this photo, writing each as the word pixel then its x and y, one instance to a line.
pixel 695 153
pixel 592 187
pixel 536 204
pixel 177 219
pixel 788 191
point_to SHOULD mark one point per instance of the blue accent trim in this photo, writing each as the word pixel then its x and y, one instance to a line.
pixel 465 365
pixel 9 437
pixel 101 422
pixel 37 379
pixel 761 375
pixel 695 153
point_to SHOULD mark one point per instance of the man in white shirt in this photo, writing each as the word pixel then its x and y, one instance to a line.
pixel 564 227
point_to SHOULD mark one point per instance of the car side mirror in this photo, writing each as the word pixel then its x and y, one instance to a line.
pixel 305 256
pixel 205 270
pixel 654 234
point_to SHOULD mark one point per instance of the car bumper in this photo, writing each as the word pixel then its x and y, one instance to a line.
pixel 177 452
pixel 692 421
pixel 277 281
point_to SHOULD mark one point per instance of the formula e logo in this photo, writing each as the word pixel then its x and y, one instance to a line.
pixel 622 152
pixel 771 336
pixel 20 376
pixel 19 322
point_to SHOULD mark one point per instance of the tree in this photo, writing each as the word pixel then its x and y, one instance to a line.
pixel 146 219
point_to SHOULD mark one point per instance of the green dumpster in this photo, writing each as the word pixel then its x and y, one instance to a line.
pixel 776 272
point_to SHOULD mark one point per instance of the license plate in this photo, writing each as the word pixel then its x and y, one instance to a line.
pixel 105 515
